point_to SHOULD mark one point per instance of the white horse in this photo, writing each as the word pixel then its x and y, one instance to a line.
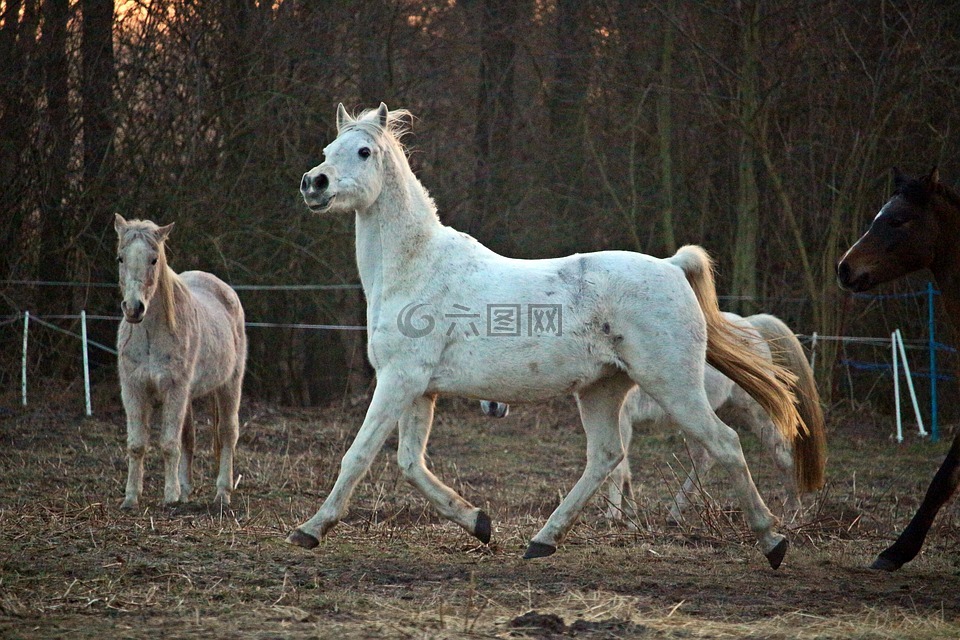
pixel 593 325
pixel 800 461
pixel 181 337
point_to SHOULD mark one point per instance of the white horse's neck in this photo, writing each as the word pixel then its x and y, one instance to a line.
pixel 392 232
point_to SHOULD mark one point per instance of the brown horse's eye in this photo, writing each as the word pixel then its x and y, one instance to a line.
pixel 897 222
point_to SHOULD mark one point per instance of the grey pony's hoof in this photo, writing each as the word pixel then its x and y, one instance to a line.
pixel 885 564
pixel 302 539
pixel 775 557
pixel 483 527
pixel 539 550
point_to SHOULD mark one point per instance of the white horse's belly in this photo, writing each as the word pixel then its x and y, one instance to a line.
pixel 518 369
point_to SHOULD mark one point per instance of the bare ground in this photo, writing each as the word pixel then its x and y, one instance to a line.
pixel 73 564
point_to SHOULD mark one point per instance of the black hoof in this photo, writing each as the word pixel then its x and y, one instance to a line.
pixel 483 527
pixel 539 550
pixel 885 564
pixel 302 539
pixel 775 557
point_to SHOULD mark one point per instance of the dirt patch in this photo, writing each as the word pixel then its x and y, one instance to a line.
pixel 73 563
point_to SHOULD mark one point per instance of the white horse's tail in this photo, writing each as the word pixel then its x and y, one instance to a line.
pixel 810 449
pixel 728 351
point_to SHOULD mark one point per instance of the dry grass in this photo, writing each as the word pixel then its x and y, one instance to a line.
pixel 73 564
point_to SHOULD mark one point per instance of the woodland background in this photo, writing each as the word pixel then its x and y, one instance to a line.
pixel 764 131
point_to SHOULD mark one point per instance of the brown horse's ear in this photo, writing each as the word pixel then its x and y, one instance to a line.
pixel 382 114
pixel 164 232
pixel 934 176
pixel 899 178
pixel 342 117
pixel 119 223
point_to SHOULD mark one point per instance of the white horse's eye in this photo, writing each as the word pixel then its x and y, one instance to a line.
pixel 120 259
pixel 364 152
pixel 154 261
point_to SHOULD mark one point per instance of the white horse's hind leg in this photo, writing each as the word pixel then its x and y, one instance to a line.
pixel 599 410
pixel 228 410
pixel 139 413
pixel 392 397
pixel 620 484
pixel 781 451
pixel 414 433
pixel 702 463
pixel 722 443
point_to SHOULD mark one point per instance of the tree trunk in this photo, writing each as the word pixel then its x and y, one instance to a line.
pixel 665 132
pixel 97 111
pixel 567 104
pixel 748 199
pixel 495 107
pixel 55 239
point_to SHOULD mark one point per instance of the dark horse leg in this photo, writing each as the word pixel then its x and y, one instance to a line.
pixel 941 489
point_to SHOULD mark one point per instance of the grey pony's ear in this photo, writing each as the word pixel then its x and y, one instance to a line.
pixel 164 232
pixel 382 114
pixel 342 117
pixel 119 223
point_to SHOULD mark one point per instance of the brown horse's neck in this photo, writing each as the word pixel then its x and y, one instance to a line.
pixel 946 265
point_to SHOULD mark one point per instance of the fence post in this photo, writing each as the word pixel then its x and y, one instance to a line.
pixel 813 351
pixel 23 372
pixel 896 386
pixel 86 361
pixel 932 342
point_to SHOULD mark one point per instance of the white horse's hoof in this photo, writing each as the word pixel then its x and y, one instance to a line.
pixel 775 555
pixel 483 528
pixel 302 539
pixel 539 550
pixel 129 505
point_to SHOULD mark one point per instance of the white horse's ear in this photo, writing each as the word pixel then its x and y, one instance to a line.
pixel 119 223
pixel 382 114
pixel 164 232
pixel 342 117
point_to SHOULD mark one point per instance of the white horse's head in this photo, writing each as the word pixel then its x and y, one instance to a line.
pixel 141 260
pixel 352 176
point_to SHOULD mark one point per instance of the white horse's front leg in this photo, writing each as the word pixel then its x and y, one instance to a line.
pixel 414 433
pixel 599 410
pixel 139 412
pixel 391 398
pixel 173 412
pixel 188 440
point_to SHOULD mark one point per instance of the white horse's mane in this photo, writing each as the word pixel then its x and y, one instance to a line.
pixel 399 122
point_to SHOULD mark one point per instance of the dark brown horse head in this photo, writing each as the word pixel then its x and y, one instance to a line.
pixel 903 238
